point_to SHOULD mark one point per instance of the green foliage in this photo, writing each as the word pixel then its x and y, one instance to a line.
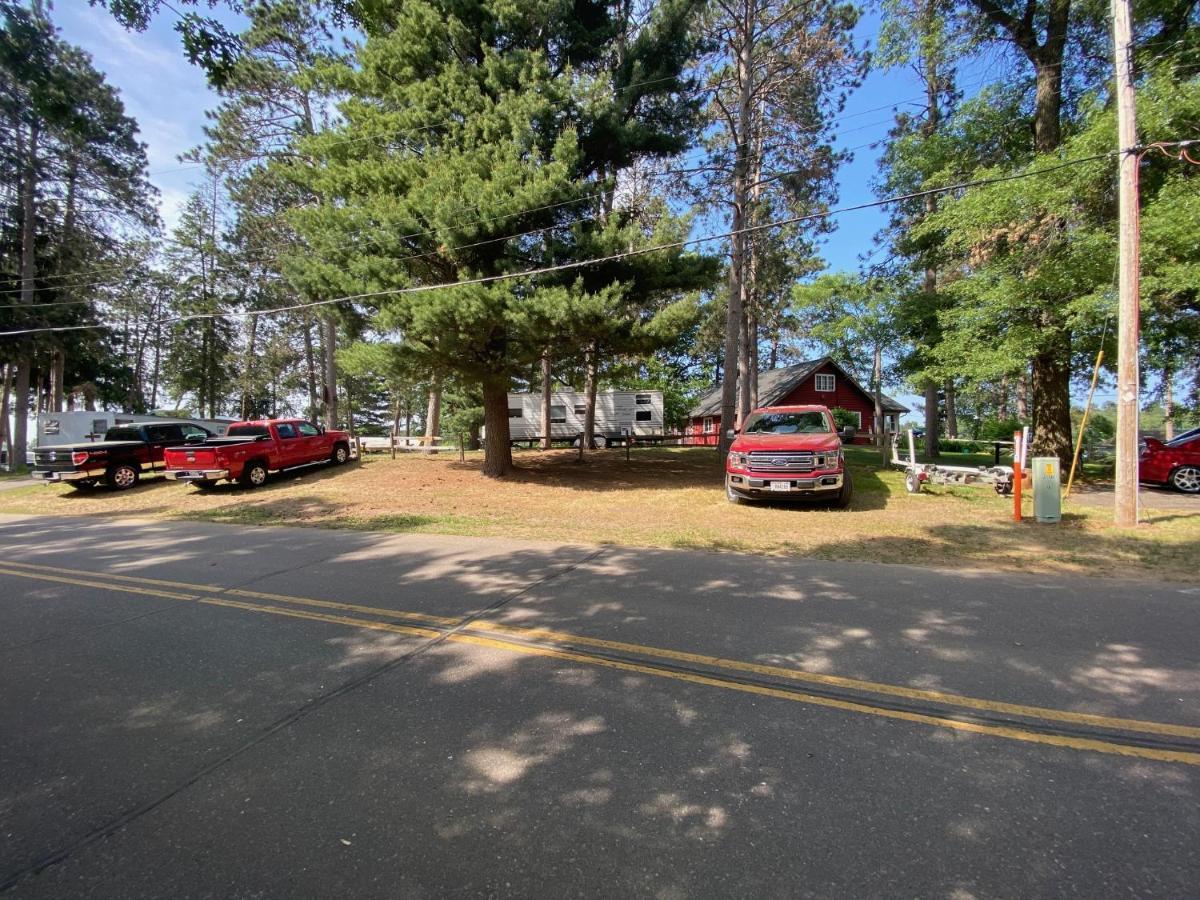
pixel 844 418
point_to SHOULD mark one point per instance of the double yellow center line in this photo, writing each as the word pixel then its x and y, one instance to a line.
pixel 1160 741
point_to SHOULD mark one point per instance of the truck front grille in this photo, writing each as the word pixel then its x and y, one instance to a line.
pixel 785 461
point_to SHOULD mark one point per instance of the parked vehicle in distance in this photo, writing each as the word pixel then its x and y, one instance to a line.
pixel 1175 463
pixel 249 451
pixel 120 460
pixel 618 413
pixel 788 453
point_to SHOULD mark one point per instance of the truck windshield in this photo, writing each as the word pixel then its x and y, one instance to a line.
pixel 248 431
pixel 123 434
pixel 812 422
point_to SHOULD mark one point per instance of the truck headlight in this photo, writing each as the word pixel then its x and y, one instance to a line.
pixel 738 459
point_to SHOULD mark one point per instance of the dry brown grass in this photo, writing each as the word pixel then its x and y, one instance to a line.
pixel 663 498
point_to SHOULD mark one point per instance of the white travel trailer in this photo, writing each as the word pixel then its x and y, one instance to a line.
pixel 80 426
pixel 639 413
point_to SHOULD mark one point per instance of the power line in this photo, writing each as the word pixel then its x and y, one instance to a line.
pixel 578 264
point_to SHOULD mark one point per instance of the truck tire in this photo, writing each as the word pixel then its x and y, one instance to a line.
pixel 340 455
pixel 842 501
pixel 254 474
pixel 122 476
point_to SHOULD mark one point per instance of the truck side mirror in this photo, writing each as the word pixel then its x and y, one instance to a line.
pixel 731 433
pixel 848 433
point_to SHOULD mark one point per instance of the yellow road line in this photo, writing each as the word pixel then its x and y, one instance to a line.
pixel 1191 759
pixel 41 576
pixel 217 589
pixel 1035 712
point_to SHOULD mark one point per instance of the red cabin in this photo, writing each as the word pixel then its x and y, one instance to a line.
pixel 819 381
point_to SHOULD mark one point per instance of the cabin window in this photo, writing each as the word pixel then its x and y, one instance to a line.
pixel 515 413
pixel 708 425
pixel 558 415
pixel 643 415
pixel 642 399
pixel 825 383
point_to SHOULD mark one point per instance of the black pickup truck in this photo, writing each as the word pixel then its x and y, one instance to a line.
pixel 126 454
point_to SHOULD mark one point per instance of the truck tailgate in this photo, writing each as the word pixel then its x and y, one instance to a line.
pixel 198 457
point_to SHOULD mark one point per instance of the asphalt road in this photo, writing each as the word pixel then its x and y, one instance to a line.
pixel 196 710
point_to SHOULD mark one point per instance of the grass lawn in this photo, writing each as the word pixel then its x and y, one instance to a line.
pixel 664 498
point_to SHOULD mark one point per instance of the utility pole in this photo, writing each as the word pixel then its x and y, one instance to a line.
pixel 1126 509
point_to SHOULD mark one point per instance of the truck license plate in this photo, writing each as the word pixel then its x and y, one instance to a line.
pixel 781 485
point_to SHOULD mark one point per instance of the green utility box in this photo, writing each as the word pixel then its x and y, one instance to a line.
pixel 1047 489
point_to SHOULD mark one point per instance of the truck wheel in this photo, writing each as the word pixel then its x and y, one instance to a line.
pixel 912 482
pixel 845 494
pixel 1186 479
pixel 122 476
pixel 254 475
pixel 341 453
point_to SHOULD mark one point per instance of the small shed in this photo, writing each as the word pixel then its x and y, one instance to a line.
pixel 820 381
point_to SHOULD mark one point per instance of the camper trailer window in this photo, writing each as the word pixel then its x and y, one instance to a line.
pixel 580 409
pixel 643 415
pixel 642 399
pixel 99 426
pixel 51 426
pixel 558 415
pixel 514 412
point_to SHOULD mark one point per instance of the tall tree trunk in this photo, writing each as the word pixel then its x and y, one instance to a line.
pixel 932 420
pixel 329 344
pixel 58 366
pixel 28 155
pixel 433 412
pixel 396 413
pixel 248 361
pixel 877 387
pixel 158 351
pixel 739 201
pixel 547 380
pixel 591 364
pixel 310 368
pixel 1022 394
pixel 951 411
pixel 1168 402
pixel 744 361
pixel 5 394
pixel 497 456
pixel 1052 401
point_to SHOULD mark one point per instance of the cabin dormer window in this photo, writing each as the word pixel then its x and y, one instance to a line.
pixel 825 383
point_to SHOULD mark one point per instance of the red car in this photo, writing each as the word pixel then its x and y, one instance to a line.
pixel 1175 463
pixel 251 450
pixel 788 453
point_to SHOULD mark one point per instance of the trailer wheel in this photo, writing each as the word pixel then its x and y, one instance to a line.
pixel 912 482
pixel 1004 488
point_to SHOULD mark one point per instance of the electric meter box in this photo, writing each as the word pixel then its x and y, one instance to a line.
pixel 1047 489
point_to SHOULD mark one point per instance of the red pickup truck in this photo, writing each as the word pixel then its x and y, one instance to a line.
pixel 788 453
pixel 251 450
